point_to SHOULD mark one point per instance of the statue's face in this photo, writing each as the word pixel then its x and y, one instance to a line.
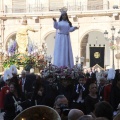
pixel 64 16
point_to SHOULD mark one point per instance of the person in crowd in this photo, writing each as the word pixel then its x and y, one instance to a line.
pixel 91 99
pixel 98 76
pixel 111 74
pixel 30 83
pixel 115 92
pixel 22 36
pixel 74 114
pixel 66 87
pixel 39 93
pixel 5 89
pixel 79 94
pixel 22 80
pixel 13 70
pixel 61 106
pixel 12 103
pixel 93 73
pixel 63 51
pixel 107 91
pixel 86 73
pixel 86 117
pixel 101 118
pixel 2 82
pixel 51 90
pixel 104 109
pixel 15 78
pixel 101 88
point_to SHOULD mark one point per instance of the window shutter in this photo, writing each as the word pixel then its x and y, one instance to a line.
pixel 19 6
pixel 55 4
pixel 95 5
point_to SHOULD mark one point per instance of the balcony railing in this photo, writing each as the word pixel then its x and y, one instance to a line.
pixel 35 8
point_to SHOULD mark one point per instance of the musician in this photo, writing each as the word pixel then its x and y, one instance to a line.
pixel 12 103
pixel 39 93
pixel 79 94
pixel 61 106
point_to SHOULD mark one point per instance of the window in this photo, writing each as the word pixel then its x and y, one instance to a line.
pixel 18 6
pixel 55 5
pixel 95 5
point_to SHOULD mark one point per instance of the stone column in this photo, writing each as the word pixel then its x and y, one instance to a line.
pixel 1 45
pixel 1 56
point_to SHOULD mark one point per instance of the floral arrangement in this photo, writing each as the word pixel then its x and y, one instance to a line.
pixel 18 59
pixel 62 72
pixel 27 61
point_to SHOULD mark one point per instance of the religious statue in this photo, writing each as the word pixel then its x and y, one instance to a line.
pixel 22 36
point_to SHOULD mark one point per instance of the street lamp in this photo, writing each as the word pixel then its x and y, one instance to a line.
pixel 77 60
pixel 111 42
pixel 82 61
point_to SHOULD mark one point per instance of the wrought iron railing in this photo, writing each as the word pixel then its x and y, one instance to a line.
pixel 34 8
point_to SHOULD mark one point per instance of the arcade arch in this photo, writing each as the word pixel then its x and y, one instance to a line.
pixel 12 36
pixel 94 39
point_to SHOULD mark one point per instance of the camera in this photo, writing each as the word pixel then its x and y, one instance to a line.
pixel 64 109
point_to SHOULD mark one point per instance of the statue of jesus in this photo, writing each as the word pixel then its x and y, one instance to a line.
pixel 22 36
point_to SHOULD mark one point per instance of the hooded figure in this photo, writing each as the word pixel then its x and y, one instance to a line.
pixel 111 74
pixel 13 70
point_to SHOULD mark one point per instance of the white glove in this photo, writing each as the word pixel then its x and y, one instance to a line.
pixel 15 103
pixel 19 108
pixel 18 102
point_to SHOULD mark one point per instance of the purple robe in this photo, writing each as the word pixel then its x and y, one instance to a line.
pixel 63 55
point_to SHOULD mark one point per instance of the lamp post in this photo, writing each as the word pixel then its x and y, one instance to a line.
pixel 82 61
pixel 77 60
pixel 111 42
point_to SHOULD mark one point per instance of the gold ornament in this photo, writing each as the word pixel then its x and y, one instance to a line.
pixel 97 55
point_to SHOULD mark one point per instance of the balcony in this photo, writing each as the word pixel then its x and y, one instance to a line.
pixel 36 8
pixel 48 10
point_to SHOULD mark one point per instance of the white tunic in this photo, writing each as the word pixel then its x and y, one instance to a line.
pixel 63 52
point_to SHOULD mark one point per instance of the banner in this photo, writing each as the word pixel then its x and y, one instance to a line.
pixel 97 56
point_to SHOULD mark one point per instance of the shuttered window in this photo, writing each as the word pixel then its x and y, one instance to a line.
pixel 95 5
pixel 18 6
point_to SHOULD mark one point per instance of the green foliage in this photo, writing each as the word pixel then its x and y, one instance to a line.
pixel 20 59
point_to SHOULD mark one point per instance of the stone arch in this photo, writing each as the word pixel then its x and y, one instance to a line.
pixel 11 35
pixel 83 43
pixel 49 39
pixel 48 33
pixel 88 31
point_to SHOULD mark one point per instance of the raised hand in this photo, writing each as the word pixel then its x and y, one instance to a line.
pixel 35 30
pixel 76 27
pixel 54 19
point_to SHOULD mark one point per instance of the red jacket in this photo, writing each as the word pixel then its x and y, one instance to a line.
pixel 107 90
pixel 3 92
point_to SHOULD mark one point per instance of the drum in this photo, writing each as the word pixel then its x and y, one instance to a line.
pixel 39 112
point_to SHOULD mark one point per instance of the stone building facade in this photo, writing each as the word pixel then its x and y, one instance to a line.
pixel 92 17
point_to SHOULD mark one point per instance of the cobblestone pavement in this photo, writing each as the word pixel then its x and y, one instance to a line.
pixel 1 116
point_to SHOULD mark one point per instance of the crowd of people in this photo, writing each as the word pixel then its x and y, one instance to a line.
pixel 92 93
